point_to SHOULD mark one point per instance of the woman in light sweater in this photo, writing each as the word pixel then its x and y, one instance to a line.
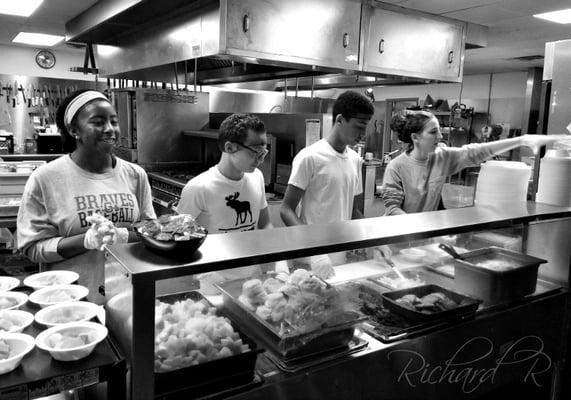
pixel 56 223
pixel 413 181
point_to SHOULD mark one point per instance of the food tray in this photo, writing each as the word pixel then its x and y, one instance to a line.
pixel 390 279
pixel 497 285
pixel 286 345
pixel 9 205
pixel 469 304
pixel 355 345
pixel 212 376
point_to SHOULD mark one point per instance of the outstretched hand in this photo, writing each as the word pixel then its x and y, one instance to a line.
pixel 536 141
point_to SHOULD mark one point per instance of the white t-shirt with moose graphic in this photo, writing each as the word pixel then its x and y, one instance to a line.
pixel 223 205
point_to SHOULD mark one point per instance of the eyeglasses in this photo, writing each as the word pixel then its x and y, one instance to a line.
pixel 259 153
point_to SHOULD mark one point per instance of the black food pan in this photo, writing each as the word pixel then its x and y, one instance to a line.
pixel 464 304
pixel 212 376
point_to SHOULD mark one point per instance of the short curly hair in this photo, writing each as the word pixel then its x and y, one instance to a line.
pixel 235 128
pixel 351 103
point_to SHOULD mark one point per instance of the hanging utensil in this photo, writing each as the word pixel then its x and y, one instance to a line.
pixel 16 91
pixel 48 95
pixel 29 93
pixel 450 250
pixel 21 88
pixel 13 96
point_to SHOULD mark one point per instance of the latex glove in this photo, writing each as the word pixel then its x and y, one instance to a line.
pixel 92 239
pixel 321 266
pixel 102 232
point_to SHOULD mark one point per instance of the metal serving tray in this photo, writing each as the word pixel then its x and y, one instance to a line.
pixel 497 285
pixel 212 376
pixel 286 345
pixel 466 305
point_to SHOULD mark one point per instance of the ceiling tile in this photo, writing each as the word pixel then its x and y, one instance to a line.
pixel 530 7
pixel 484 15
pixel 445 6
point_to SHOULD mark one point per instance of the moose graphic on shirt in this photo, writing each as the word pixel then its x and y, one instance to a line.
pixel 242 208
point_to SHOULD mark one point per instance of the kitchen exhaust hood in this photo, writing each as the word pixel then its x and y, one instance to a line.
pixel 233 41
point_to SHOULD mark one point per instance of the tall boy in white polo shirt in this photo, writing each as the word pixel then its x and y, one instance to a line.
pixel 326 177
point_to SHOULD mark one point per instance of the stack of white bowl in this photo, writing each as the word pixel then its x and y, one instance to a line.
pixel 554 185
pixel 501 182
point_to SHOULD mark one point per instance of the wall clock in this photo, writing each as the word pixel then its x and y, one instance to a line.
pixel 45 59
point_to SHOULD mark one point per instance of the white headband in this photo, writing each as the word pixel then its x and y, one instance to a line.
pixel 81 100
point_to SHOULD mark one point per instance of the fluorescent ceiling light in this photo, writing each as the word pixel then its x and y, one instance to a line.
pixel 561 16
pixel 22 8
pixel 39 39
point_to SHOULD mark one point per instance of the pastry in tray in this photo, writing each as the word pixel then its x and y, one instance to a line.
pixel 293 303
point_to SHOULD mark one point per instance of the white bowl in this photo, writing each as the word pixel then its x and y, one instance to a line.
pixel 97 331
pixel 74 311
pixel 18 319
pixel 8 283
pixel 51 278
pixel 58 294
pixel 413 255
pixel 12 300
pixel 20 345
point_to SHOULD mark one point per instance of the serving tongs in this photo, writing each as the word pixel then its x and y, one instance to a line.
pixel 391 264
pixel 450 250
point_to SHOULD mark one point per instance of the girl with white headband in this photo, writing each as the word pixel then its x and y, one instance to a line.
pixel 83 200
pixel 413 181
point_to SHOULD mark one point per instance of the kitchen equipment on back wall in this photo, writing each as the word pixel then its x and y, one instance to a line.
pixel 166 188
pixel 6 142
pixel 152 122
pixel 49 143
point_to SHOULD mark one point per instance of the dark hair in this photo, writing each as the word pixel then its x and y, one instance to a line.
pixel 405 123
pixel 235 128
pixel 351 103
pixel 69 142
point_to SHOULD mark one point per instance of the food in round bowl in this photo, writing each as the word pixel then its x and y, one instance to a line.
pixel 15 321
pixel 63 313
pixel 72 341
pixel 51 278
pixel 58 294
pixel 13 348
pixel 12 300
pixel 172 233
pixel 8 283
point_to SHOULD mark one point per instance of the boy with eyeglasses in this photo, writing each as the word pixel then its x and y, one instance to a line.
pixel 230 196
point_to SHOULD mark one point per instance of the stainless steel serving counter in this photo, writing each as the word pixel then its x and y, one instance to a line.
pixel 382 370
pixel 254 247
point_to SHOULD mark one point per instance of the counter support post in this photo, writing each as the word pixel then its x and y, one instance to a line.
pixel 142 366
